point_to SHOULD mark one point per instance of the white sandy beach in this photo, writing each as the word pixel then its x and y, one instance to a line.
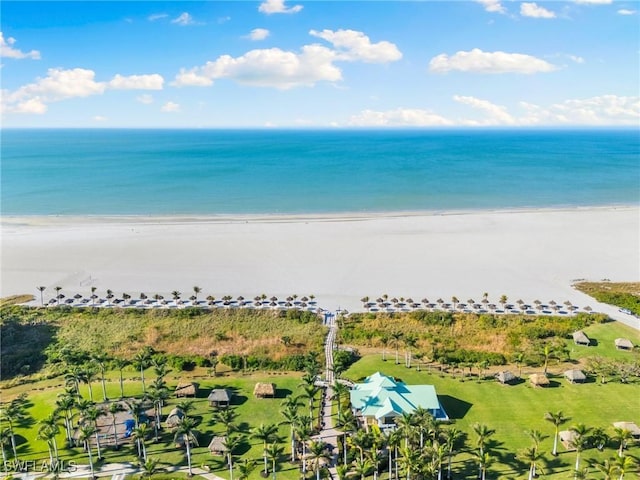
pixel 530 254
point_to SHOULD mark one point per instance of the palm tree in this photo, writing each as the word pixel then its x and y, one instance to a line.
pixel 599 438
pixel 89 377
pixel 393 438
pixel 607 467
pixel 65 403
pixel 58 297
pixel 291 418
pixel 42 289
pixel 483 432
pixel 100 359
pixel 503 300
pixel 621 436
pixel 196 291
pixel 340 391
pixel 273 452
pixel 396 337
pixel 625 464
pixel 451 437
pixel 141 362
pixel 317 454
pixel 303 434
pixel 150 468
pixel 158 395
pixel 114 409
pixel 231 443
pixel 140 434
pixel 310 392
pixel 484 462
pixel 73 376
pixel 410 341
pixel 532 456
pixel 267 434
pixel 226 417
pixel 85 434
pixel 579 441
pixel 47 433
pixel 176 295
pixel 5 439
pixel 120 364
pixel 186 433
pixel 557 419
pixel 93 296
pixel 361 468
pixel 186 406
pixel 245 468
pixel 12 414
pixel 410 461
pixel 92 414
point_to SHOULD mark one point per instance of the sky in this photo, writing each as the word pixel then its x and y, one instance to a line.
pixel 320 64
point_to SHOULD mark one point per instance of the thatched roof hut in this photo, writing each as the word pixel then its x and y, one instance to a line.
pixel 632 427
pixel 566 438
pixel 186 389
pixel 580 338
pixel 174 418
pixel 218 446
pixel 220 397
pixel 539 380
pixel 575 376
pixel 505 377
pixel 262 390
pixel 623 344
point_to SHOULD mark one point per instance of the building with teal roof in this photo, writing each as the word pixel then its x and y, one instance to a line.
pixel 380 399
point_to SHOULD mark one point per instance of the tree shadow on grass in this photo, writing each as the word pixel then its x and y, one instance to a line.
pixel 282 392
pixel 455 407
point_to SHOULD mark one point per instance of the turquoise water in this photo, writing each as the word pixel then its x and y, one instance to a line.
pixel 167 172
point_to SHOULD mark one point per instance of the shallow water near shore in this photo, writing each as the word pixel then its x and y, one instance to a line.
pixel 300 172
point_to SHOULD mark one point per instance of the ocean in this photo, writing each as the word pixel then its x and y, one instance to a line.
pixel 210 172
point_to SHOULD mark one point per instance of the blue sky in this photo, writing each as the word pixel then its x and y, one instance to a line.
pixel 320 64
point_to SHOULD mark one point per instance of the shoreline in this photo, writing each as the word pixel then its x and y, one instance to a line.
pixel 185 219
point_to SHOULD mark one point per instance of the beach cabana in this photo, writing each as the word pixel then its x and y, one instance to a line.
pixel 623 344
pixel 174 418
pixel 580 338
pixel 262 390
pixel 539 380
pixel 505 377
pixel 575 376
pixel 186 389
pixel 220 397
pixel 632 427
pixel 218 446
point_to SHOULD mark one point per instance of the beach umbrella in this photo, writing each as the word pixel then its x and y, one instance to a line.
pixel 440 301
pixel 306 299
pixel 240 298
pixel 52 301
pixel 273 304
pixel 552 302
pixel 471 301
pixel 587 308
pixel 425 300
pixel 257 298
pixel 77 296
pixel 274 299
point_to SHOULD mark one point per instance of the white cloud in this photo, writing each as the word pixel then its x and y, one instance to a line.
pixel 137 82
pixel 62 84
pixel 352 45
pixel 626 11
pixel 170 107
pixel 184 19
pixel 268 68
pixel 7 50
pixel 496 114
pixel 145 98
pixel 493 6
pixel 258 34
pixel 157 16
pixel 398 118
pixel 594 2
pixel 99 118
pixel 576 58
pixel 535 11
pixel 477 61
pixel 277 6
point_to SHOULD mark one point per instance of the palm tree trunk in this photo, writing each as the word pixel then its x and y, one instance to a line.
pixel 188 455
pixel 55 450
pixel 390 463
pixel 121 385
pixel 555 443
pixel 142 379
pixel 98 443
pixel 304 458
pixel 449 466
pixel 578 461
pixel 293 445
pixel 13 445
pixel 230 461
pixel 90 460
pixel 115 434
pixel 90 391
pixel 104 389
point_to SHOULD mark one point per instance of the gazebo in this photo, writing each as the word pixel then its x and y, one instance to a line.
pixel 623 344
pixel 505 377
pixel 566 438
pixel 220 397
pixel 539 380
pixel 632 427
pixel 262 390
pixel 218 446
pixel 186 389
pixel 580 338
pixel 575 376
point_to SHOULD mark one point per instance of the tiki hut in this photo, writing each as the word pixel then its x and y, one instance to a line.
pixel 539 380
pixel 566 438
pixel 174 418
pixel 623 344
pixel 220 397
pixel 575 376
pixel 505 377
pixel 580 338
pixel 632 427
pixel 186 389
pixel 262 390
pixel 218 446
